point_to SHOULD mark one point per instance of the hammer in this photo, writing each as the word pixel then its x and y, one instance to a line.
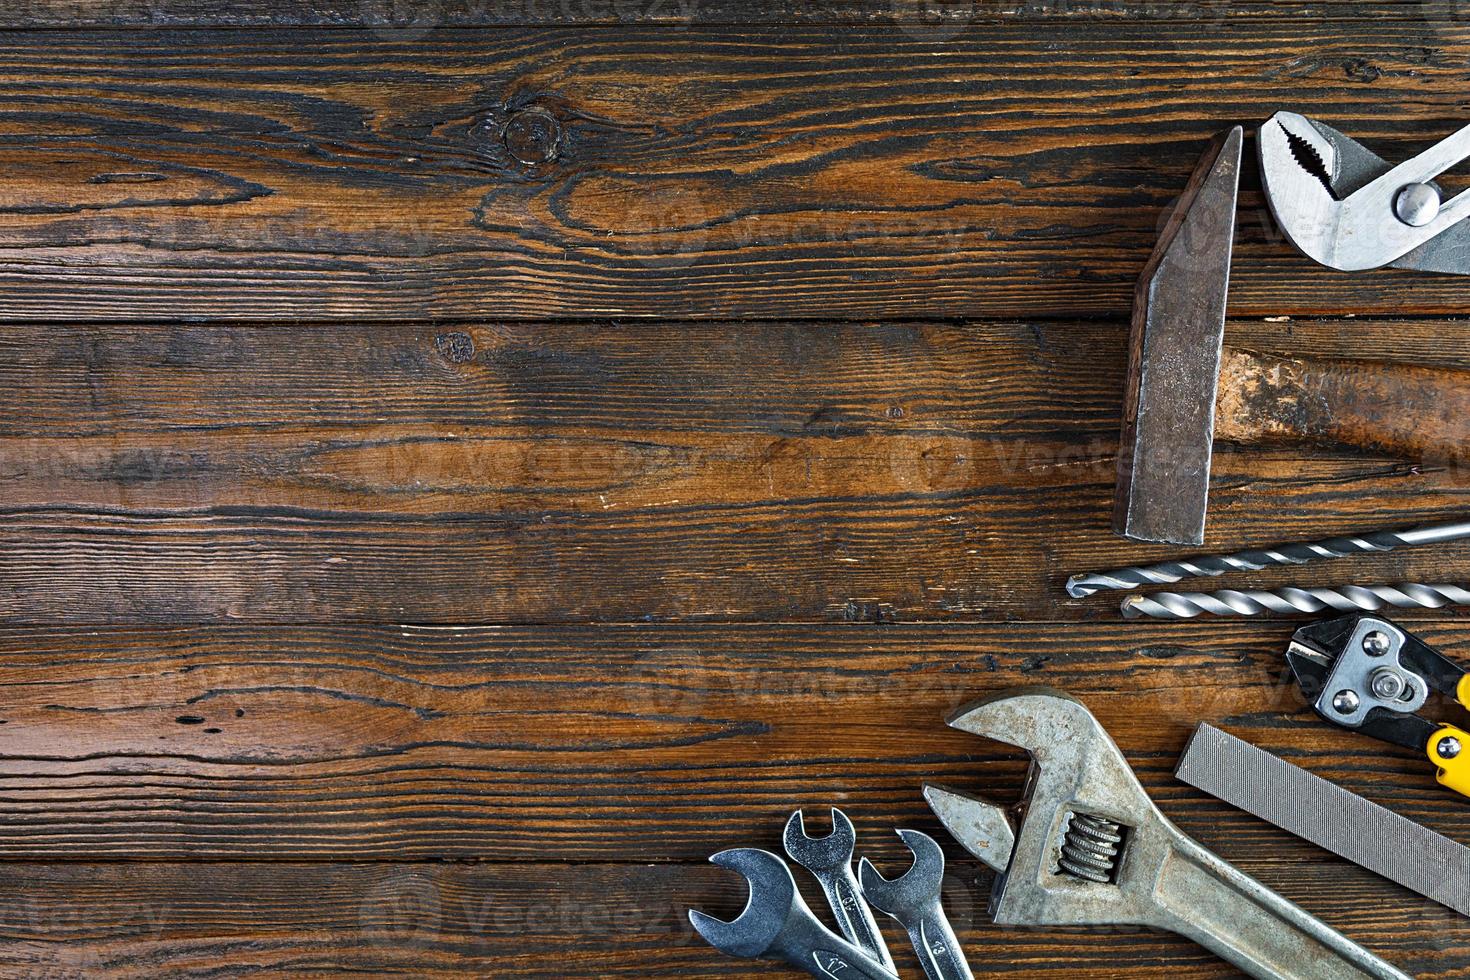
pixel 1186 388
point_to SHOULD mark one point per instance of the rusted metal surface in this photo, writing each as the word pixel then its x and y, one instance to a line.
pixel 1174 359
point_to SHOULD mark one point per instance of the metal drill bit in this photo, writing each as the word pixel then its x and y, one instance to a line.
pixel 1292 602
pixel 1299 553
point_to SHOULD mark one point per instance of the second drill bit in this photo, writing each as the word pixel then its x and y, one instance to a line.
pixel 1293 602
pixel 1254 560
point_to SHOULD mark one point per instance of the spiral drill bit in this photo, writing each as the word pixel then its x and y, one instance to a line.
pixel 1164 573
pixel 1293 602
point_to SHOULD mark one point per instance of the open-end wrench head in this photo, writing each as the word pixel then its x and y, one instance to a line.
pixel 820 854
pixel 916 888
pixel 773 898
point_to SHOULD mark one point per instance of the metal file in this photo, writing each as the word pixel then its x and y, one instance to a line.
pixel 1327 815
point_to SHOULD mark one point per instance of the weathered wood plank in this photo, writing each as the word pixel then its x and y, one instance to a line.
pixel 548 472
pixel 418 19
pixel 712 172
pixel 606 743
pixel 539 920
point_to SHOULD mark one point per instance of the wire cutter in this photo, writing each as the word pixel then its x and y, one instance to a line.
pixel 1364 673
pixel 1346 207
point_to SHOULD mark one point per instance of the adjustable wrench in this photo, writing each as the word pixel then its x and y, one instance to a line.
pixel 913 899
pixel 776 923
pixel 829 859
pixel 1092 849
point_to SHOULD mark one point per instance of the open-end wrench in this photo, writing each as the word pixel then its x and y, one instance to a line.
pixel 776 923
pixel 829 859
pixel 1092 849
pixel 913 899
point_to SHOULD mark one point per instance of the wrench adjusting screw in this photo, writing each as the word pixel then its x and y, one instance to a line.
pixel 1416 204
pixel 1448 747
pixel 1345 702
pixel 1090 848
pixel 1376 643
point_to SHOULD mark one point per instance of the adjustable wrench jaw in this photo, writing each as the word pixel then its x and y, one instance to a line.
pixel 1080 792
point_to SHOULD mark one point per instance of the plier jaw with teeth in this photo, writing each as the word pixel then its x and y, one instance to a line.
pixel 1349 209
pixel 1364 673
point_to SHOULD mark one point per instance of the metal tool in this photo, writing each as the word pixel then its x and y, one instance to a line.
pixel 1348 209
pixel 1327 815
pixel 913 899
pixel 1092 849
pixel 1367 674
pixel 1186 389
pixel 1178 316
pixel 829 859
pixel 777 924
pixel 1164 573
pixel 1293 602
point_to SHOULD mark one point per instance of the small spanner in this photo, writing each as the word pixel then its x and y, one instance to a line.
pixel 913 899
pixel 1092 849
pixel 829 859
pixel 776 923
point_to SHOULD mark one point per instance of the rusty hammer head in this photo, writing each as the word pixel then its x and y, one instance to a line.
pixel 1174 359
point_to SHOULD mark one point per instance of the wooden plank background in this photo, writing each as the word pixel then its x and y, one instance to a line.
pixel 461 464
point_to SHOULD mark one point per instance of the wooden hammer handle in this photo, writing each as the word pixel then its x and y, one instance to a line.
pixel 1415 413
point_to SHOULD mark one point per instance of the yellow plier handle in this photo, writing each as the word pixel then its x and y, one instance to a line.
pixel 1447 747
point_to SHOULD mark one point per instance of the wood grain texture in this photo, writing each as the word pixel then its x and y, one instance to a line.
pixel 713 172
pixel 630 744
pixel 541 920
pixel 631 752
pixel 550 473
pixel 418 19
pixel 709 347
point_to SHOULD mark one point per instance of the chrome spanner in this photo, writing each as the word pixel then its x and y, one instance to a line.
pixel 777 924
pixel 913 899
pixel 829 859
pixel 1092 849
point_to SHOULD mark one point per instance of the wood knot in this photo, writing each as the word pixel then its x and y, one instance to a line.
pixel 532 136
pixel 457 347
